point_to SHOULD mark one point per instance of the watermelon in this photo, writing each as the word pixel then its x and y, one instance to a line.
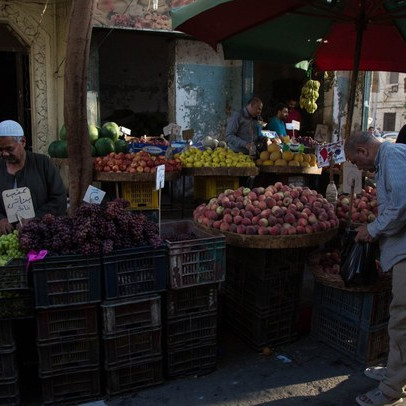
pixel 120 146
pixel 62 133
pixel 104 146
pixel 58 149
pixel 110 130
pixel 93 150
pixel 93 133
pixel 52 149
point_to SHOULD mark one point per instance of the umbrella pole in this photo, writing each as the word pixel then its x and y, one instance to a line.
pixel 360 27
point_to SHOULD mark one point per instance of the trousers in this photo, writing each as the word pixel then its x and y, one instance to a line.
pixel 395 381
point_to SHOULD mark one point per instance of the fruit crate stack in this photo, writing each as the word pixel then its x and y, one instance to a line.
pixel 353 322
pixel 261 294
pixel 67 293
pixel 9 390
pixel 196 267
pixel 132 329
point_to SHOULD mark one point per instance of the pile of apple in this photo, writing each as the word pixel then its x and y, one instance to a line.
pixel 328 262
pixel 364 209
pixel 139 162
pixel 159 141
pixel 276 210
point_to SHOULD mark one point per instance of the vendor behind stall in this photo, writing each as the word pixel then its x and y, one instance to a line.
pixel 21 168
pixel 277 122
pixel 242 127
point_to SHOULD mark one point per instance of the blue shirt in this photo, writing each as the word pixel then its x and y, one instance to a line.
pixel 277 125
pixel 390 224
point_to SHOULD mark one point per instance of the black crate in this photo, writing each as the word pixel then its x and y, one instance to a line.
pixel 14 275
pixel 8 365
pixel 187 360
pixel 368 308
pixel 132 345
pixel 191 329
pixel 68 354
pixel 193 300
pixel 70 387
pixel 134 376
pixel 129 314
pixel 6 335
pixel 67 280
pixel 134 271
pixel 278 326
pixel 262 264
pixel 9 392
pixel 194 262
pixel 66 322
pixel 365 345
pixel 16 304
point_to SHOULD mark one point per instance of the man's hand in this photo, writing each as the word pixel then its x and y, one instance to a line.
pixel 362 234
pixel 5 227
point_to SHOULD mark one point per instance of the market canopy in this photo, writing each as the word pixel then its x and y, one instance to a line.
pixel 290 31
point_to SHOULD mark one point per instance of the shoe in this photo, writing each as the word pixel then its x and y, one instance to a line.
pixel 377 373
pixel 376 398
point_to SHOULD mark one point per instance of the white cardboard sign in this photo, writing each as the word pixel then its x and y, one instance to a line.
pixel 160 177
pixel 350 173
pixel 321 133
pixel 333 150
pixel 18 204
pixel 94 195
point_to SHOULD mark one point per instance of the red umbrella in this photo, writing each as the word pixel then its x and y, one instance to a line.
pixel 336 34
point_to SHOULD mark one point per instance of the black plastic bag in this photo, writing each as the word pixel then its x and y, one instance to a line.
pixel 358 261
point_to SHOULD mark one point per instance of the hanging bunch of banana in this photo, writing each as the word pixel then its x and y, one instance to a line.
pixel 310 93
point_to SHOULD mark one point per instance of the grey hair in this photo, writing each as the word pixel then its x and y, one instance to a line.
pixel 18 139
pixel 359 139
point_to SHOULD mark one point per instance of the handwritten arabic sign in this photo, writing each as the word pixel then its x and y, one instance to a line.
pixel 160 177
pixel 351 173
pixel 93 195
pixel 18 204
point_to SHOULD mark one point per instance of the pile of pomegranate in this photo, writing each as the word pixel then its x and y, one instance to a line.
pixel 364 209
pixel 276 210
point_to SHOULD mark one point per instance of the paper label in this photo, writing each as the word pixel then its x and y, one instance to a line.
pixel 350 173
pixel 160 177
pixel 295 125
pixel 321 133
pixel 94 195
pixel 325 152
pixel 18 204
pixel 172 129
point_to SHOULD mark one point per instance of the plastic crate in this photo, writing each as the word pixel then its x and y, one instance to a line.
pixel 134 271
pixel 8 365
pixel 130 314
pixel 16 304
pixel 192 329
pixel 67 280
pixel 190 301
pixel 70 387
pixel 367 346
pixel 258 330
pixel 66 322
pixel 367 308
pixel 194 262
pixel 191 360
pixel 68 353
pixel 134 376
pixel 140 195
pixel 206 187
pixel 9 392
pixel 6 335
pixel 14 275
pixel 132 345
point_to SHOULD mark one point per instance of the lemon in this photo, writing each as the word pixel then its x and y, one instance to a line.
pixel 287 155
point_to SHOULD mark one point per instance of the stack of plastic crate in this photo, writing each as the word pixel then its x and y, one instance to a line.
pixel 67 293
pixel 196 266
pixel 9 392
pixel 262 294
pixel 132 333
pixel 353 322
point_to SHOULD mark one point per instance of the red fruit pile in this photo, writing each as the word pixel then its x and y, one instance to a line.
pixel 277 210
pixel 329 262
pixel 139 162
pixel 364 209
pixel 159 141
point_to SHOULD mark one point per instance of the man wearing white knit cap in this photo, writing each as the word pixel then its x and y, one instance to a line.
pixel 21 168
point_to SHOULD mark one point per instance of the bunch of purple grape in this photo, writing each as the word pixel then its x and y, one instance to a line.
pixel 173 237
pixel 93 229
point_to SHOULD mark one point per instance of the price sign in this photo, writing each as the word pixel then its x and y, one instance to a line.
pixel 125 131
pixel 94 195
pixel 350 173
pixel 321 133
pixel 18 204
pixel 160 177
pixel 172 129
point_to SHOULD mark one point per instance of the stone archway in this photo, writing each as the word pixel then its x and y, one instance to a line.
pixel 26 27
